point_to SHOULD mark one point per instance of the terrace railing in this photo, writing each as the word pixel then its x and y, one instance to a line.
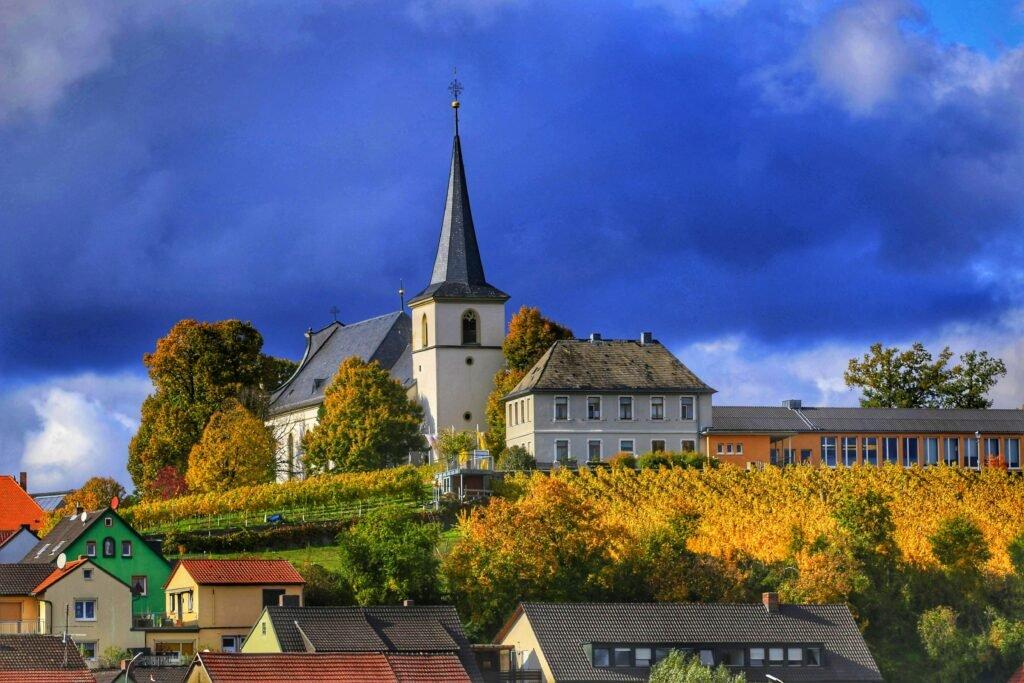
pixel 22 627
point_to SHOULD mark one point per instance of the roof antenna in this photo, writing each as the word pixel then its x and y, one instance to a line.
pixel 335 311
pixel 455 88
pixel 401 294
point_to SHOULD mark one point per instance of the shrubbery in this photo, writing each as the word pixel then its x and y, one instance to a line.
pixel 516 459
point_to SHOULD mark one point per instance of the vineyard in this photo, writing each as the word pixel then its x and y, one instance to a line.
pixel 321 498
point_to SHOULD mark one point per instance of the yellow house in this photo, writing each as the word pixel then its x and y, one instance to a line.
pixel 213 604
pixel 95 605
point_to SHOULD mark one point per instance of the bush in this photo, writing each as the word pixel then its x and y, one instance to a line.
pixel 112 657
pixel 654 459
pixel 334 489
pixel 452 444
pixel 677 668
pixel 516 459
pixel 622 461
pixel 250 540
pixel 324 588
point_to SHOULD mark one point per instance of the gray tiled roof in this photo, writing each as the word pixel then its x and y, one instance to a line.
pixel 458 270
pixel 608 365
pixel 25 652
pixel 562 630
pixel 384 339
pixel 20 579
pixel 880 420
pixel 417 628
pixel 60 537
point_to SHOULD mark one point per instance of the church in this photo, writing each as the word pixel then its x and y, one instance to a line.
pixel 445 350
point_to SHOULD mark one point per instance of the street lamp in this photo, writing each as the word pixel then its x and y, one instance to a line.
pixel 774 678
pixel 128 668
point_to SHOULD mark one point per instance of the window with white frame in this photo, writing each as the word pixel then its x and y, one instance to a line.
pixel 1013 453
pixel 971 453
pixel 140 585
pixel 828 451
pixel 593 407
pixel 626 445
pixel 890 446
pixel 126 548
pixel 869 447
pixel 686 408
pixel 739 448
pixel 991 447
pixel 594 450
pixel 720 448
pixel 561 408
pixel 951 450
pixel 561 450
pixel 90 548
pixel 931 451
pixel 909 451
pixel 87 648
pixel 85 610
pixel 625 407
pixel 849 451
pixel 657 407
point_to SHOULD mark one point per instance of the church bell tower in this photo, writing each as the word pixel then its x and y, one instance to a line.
pixel 458 321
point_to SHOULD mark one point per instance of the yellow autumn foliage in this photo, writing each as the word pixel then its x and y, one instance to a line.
pixel 398 482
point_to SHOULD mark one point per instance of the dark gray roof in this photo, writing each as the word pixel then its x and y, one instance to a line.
pixel 418 628
pixel 458 270
pixel 880 420
pixel 50 501
pixel 20 579
pixel 384 339
pixel 38 653
pixel 66 532
pixel 609 365
pixel 563 629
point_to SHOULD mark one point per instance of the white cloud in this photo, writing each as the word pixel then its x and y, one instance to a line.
pixel 71 428
pixel 435 13
pixel 748 373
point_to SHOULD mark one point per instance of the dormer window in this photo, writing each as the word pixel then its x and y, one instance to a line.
pixel 470 328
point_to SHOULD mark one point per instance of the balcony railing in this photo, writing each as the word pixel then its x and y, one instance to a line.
pixel 26 626
pixel 161 620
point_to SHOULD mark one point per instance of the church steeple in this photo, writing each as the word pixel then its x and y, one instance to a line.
pixel 458 270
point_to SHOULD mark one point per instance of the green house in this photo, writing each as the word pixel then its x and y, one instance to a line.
pixel 113 545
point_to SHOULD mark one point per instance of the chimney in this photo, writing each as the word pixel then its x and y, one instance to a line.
pixel 793 404
pixel 408 603
pixel 23 480
pixel 595 336
pixel 646 338
pixel 771 602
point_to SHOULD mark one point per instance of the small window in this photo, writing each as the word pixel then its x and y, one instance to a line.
pixel 707 657
pixel 626 445
pixel 469 329
pixel 757 656
pixel 108 521
pixel 660 653
pixel 1013 453
pixel 658 445
pixel 991 448
pixel 85 610
pixel 88 650
pixel 728 449
pixel 971 453
pixel 602 657
pixel 686 408
pixel 87 574
pixel 828 451
pixel 812 656
pixel 561 408
pixel 108 547
pixel 126 548
pixel 593 407
pixel 230 643
pixel 140 585
pixel 642 656
pixel 890 447
pixel 657 407
pixel 594 450
pixel 623 656
pixel 424 332
pixel 731 657
pixel 951 450
pixel 720 448
pixel 849 451
pixel 795 655
pixel 188 601
pixel 869 450
pixel 625 407
pixel 688 446
pixel 739 448
pixel 910 451
pixel 561 450
pixel 931 451
pixel 776 654
pixel 90 548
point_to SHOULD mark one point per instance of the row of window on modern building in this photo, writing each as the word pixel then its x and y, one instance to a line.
pixel 909 451
pixel 520 411
pixel 629 656
pixel 595 448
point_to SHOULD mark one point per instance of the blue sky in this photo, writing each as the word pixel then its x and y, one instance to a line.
pixel 768 186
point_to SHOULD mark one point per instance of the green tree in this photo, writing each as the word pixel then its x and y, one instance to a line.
pixel 323 588
pixel 452 444
pixel 529 336
pixel 94 494
pixel 388 556
pixel 236 449
pixel 956 654
pixel 195 368
pixel 889 377
pixel 971 379
pixel 679 668
pixel 366 422
pixel 516 459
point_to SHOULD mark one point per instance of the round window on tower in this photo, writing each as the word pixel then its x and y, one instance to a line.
pixel 467 416
pixel 469 360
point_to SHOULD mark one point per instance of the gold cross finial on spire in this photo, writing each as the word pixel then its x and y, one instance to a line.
pixel 455 88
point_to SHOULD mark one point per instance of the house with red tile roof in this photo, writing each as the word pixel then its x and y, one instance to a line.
pixel 14 543
pixel 38 598
pixel 41 659
pixel 17 508
pixel 213 604
pixel 338 667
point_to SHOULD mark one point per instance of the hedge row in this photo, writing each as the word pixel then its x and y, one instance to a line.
pixel 254 540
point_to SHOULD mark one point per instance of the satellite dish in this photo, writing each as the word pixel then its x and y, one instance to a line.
pixel 85 516
pixel 114 502
pixel 62 560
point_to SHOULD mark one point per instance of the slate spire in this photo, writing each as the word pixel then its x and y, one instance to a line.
pixel 458 270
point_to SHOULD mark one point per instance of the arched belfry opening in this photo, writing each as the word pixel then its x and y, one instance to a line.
pixel 470 328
